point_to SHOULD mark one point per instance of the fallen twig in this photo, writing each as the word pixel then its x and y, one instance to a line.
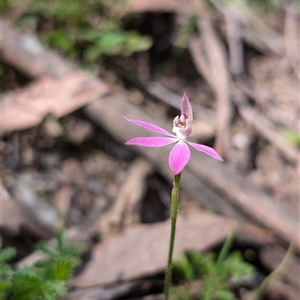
pixel 221 82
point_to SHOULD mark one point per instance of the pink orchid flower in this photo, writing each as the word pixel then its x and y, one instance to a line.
pixel 182 127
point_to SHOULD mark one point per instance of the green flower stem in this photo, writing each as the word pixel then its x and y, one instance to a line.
pixel 174 209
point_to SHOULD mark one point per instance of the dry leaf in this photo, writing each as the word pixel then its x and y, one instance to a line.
pixel 28 107
pixel 142 249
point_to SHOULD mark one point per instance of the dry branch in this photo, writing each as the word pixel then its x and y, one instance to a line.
pixel 25 53
pixel 234 39
pixel 264 126
pixel 217 64
pixel 17 217
pixel 125 210
pixel 267 130
pixel 253 30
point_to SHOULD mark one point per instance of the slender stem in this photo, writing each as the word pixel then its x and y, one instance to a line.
pixel 174 209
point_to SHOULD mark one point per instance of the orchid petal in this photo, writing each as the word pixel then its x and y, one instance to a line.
pixel 179 157
pixel 149 126
pixel 186 107
pixel 151 141
pixel 207 150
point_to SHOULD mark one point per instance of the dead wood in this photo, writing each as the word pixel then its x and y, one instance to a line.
pixel 253 30
pixel 15 217
pixel 25 53
pixel 156 90
pixel 264 126
pixel 126 210
pixel 234 39
pixel 213 184
pixel 217 64
pixel 268 131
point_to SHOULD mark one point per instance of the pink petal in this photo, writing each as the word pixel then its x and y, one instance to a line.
pixel 151 141
pixel 186 107
pixel 179 157
pixel 207 150
pixel 149 126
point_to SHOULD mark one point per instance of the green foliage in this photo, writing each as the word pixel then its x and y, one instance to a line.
pixel 212 271
pixel 63 259
pixel 46 279
pixel 5 256
pixel 81 29
pixel 185 31
pixel 258 5
pixel 292 136
pixel 263 5
pixel 33 283
pixel 5 270
pixel 117 41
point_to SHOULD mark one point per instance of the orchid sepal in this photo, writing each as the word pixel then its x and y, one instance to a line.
pixel 182 127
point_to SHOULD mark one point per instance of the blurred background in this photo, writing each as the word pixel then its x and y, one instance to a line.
pixel 70 70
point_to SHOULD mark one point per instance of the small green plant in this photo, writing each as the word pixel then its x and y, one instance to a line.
pixel 5 269
pixel 184 33
pixel 213 273
pixel 292 136
pixel 83 30
pixel 46 279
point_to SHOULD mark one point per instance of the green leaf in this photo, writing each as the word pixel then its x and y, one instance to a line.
pixel 235 266
pixel 7 254
pixel 224 295
pixel 197 260
pixel 183 266
pixel 137 43
pixel 88 34
pixel 31 284
pixel 180 294
pixel 62 269
pixel 61 241
pixel 60 39
pixel 47 248
pixel 112 42
pixel 4 4
pixel 226 247
pixel 209 263
pixel 54 288
pixel 3 286
pixel 26 284
pixel 182 36
pixel 292 136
